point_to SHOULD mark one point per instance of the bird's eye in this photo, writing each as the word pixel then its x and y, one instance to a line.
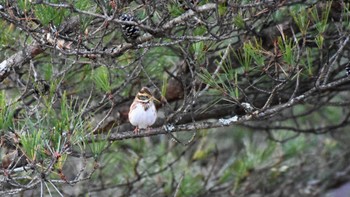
pixel 143 97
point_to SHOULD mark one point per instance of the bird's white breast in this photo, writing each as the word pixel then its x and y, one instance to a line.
pixel 141 118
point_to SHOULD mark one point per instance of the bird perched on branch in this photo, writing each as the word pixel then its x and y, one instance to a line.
pixel 143 113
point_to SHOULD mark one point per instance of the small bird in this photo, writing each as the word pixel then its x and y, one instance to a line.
pixel 143 113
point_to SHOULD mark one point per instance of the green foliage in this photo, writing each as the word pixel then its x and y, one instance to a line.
pixel 244 56
pixel 33 143
pixel 293 147
pixel 321 21
pixel 97 145
pixel 280 14
pixel 198 50
pixel 47 14
pixel 191 184
pixel 125 166
pixel 24 5
pixel 287 50
pixel 101 78
pixel 86 6
pixel 204 149
pixel 309 61
pixel 83 5
pixel 255 51
pixel 301 18
pixel 164 86
pixel 238 21
pixel 61 161
pixel 47 71
pixel 222 8
pixel 174 9
pixel 158 59
pixel 346 14
pixel 63 129
pixel 256 155
pixel 226 82
pixel 8 34
pixel 199 31
pixel 319 41
pixel 6 113
pixel 253 157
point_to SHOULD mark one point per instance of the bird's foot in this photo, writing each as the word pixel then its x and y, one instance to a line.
pixel 148 129
pixel 136 130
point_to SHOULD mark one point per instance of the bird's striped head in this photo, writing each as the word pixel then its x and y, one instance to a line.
pixel 145 95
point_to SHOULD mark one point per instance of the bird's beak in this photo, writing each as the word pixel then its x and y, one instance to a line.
pixel 154 99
